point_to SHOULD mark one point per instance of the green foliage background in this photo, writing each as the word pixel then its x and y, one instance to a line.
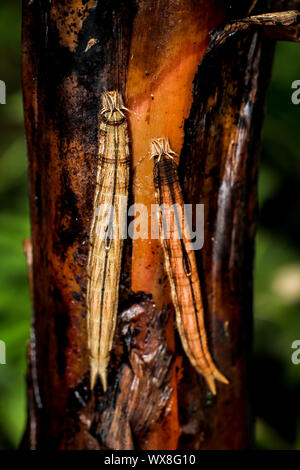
pixel 277 277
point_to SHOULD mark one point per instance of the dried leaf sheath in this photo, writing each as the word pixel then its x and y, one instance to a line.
pixel 276 20
pixel 181 266
pixel 107 227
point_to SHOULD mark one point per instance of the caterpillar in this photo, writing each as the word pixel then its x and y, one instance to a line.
pixel 107 233
pixel 180 265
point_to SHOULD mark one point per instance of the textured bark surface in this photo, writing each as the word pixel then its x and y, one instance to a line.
pixel 212 113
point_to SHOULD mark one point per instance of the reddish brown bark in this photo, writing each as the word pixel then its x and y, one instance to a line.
pixel 212 114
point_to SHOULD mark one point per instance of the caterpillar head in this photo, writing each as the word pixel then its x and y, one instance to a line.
pixel 161 148
pixel 113 108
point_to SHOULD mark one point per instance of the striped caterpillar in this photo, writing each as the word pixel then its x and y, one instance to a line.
pixel 180 264
pixel 107 227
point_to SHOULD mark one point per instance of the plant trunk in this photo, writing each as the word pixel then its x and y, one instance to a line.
pixel 210 107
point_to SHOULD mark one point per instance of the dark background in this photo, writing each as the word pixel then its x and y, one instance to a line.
pixel 277 276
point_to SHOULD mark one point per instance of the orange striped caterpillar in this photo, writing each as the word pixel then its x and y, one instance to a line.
pixel 180 264
pixel 106 233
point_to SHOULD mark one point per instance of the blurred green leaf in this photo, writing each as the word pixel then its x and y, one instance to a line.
pixel 13 165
